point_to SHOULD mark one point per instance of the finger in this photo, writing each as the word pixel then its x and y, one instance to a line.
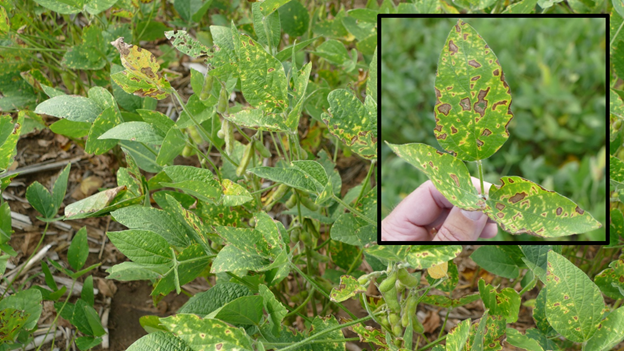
pixel 462 225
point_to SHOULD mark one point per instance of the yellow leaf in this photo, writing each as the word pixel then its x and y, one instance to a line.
pixel 438 271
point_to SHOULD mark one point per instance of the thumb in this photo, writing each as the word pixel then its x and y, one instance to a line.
pixel 461 225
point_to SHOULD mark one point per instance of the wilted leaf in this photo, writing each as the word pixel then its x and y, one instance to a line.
pixel 473 106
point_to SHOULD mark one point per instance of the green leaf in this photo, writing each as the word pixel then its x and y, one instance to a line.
pixel 90 54
pixel 536 257
pixel 71 107
pixel 157 120
pixel 449 174
pixel 495 261
pixel 618 5
pixel 71 129
pixel 97 204
pixel 262 76
pixel 28 301
pixel 62 7
pixel 206 334
pixel 423 257
pixel 78 250
pixel 94 7
pixel 86 293
pixel 159 341
pixel 348 288
pixel 351 122
pixel 506 303
pixel 155 220
pixel 457 338
pixel 267 28
pixel 142 76
pixel 87 342
pixel 517 339
pixel 129 271
pixel 206 302
pixel 197 182
pixel 40 199
pixel 258 119
pixel 352 230
pixel 574 303
pixel 294 19
pixel 10 135
pixel 135 131
pixel 171 147
pixel 616 170
pixel 189 264
pixel 292 176
pixel 196 230
pixel 187 44
pixel 274 308
pixel 521 206
pixel 94 320
pixel 333 51
pixel 108 119
pixel 246 310
pixel 473 106
pixel 142 246
pixel 371 83
pixel 611 331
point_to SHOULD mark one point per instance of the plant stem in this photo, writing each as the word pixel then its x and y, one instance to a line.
pixel 365 184
pixel 354 211
pixel 481 178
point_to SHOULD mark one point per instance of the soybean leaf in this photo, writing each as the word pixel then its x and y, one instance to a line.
pixel 196 230
pixel 610 332
pixel 142 76
pixel 348 288
pixel 370 335
pixel 449 175
pixel 188 265
pixel 64 8
pixel 129 271
pixel 10 134
pixel 291 176
pixel 78 250
pixel 171 146
pixel 618 5
pixel 574 303
pixel 206 334
pixel 157 120
pixel 333 51
pixel 473 106
pixel 168 341
pixel 234 194
pixel 506 303
pixel 263 80
pixel 268 6
pixel 71 107
pixel 108 119
pixel 208 301
pixel 457 338
pixel 268 28
pixel 86 293
pixel 423 257
pixel 197 182
pixel 386 253
pixel 495 261
pixel 87 342
pixel 155 220
pixel 28 301
pixel 187 44
pixel 539 313
pixel 90 54
pixel 45 203
pixel 520 206
pixel 11 322
pixel 260 120
pixel 611 280
pixel 246 310
pixel 517 339
pixel 99 204
pixel 536 257
pixel 616 170
pixel 135 131
pixel 274 308
pixel 294 19
pixel 142 246
pixel 350 121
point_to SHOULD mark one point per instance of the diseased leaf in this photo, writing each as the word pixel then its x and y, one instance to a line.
pixel 9 135
pixel 142 76
pixel 155 220
pixel 517 339
pixel 616 170
pixel 28 301
pixel 294 18
pixel 187 44
pixel 234 194
pixel 108 119
pixel 260 120
pixel 352 230
pixel 274 308
pixel 348 288
pixel 93 204
pixel 141 246
pixel 611 280
pixel 425 256
pixel 350 121
pixel 610 332
pixel 268 6
pixel 506 303
pixel 449 175
pixel 171 147
pixel 90 54
pixel 457 338
pixel 206 334
pixel 370 335
pixel 387 253
pixel 205 302
pixel 246 310
pixel 159 341
pixel 574 303
pixel 198 182
pixel 291 176
pixel 473 106
pixel 521 206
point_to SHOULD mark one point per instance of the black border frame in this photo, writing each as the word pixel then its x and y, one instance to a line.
pixel 379 124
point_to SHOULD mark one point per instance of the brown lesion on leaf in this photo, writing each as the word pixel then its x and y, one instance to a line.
pixel 457 28
pixel 148 72
pixel 465 104
pixel 517 197
pixel 452 47
pixel 465 36
pixel 454 178
pixel 453 130
pixel 123 48
pixel 579 210
pixel 479 143
pixel 504 82
pixel 500 215
pixel 486 132
pixel 481 103
pixel 438 127
pixel 475 78
pixel 441 136
pixel 438 95
pixel 496 72
pixel 444 109
pixel 498 103
pixel 271 70
pixel 474 63
pixel 439 152
pixel 431 164
pixel 500 206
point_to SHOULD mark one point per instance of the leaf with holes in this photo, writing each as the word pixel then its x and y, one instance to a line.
pixel 348 288
pixel 473 105
pixel 521 206
pixel 187 44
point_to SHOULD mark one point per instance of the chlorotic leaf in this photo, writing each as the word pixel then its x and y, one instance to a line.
pixel 9 135
pixel 517 339
pixel 234 194
pixel 348 288
pixel 449 175
pixel 108 119
pixel 206 334
pixel 473 106
pixel 610 332
pixel 457 338
pixel 142 76
pixel 27 300
pixel 506 303
pixel 258 119
pixel 521 206
pixel 187 44
pixel 268 6
pixel 159 341
pixel 197 182
pixel 574 303
pixel 438 271
pixel 616 170
pixel 93 203
pixel 425 256
pixel 350 121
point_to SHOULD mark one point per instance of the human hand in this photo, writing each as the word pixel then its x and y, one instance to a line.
pixel 426 215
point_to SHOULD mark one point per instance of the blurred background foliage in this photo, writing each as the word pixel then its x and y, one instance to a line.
pixel 556 70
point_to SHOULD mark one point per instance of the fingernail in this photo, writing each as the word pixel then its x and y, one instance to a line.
pixel 474 215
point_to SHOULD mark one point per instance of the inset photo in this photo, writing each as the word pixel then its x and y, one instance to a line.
pixel 493 129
